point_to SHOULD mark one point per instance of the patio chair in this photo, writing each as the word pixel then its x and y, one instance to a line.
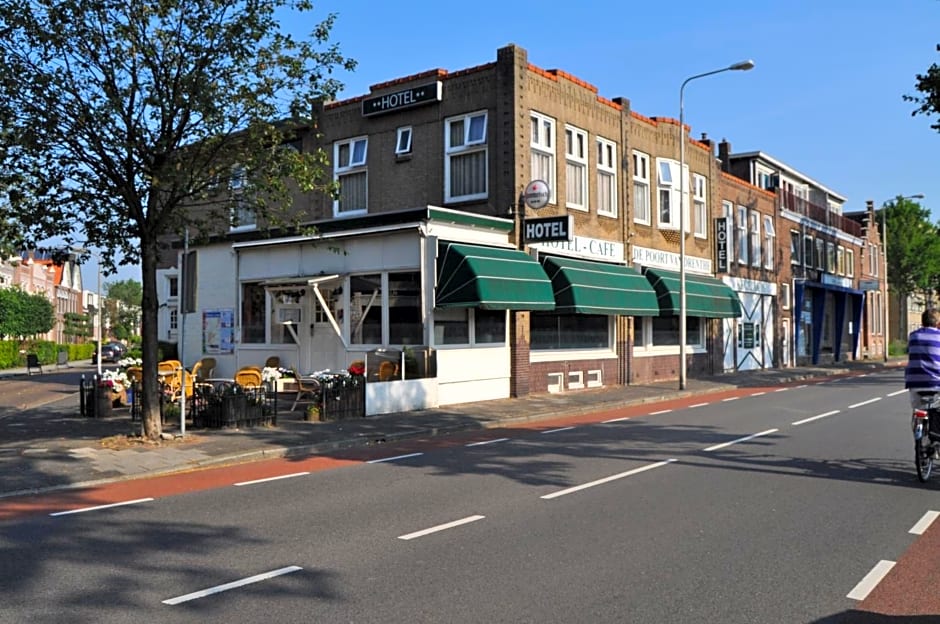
pixel 306 389
pixel 272 362
pixel 249 377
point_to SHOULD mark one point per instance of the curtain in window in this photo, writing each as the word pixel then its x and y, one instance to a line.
pixel 468 174
pixel 352 191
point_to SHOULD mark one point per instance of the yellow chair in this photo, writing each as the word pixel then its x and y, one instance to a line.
pixel 387 371
pixel 135 374
pixel 249 377
pixel 206 369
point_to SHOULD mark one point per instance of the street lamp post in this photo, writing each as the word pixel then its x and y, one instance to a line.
pixel 742 66
pixel 83 250
pixel 884 254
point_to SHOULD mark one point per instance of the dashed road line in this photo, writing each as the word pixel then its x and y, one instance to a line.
pixel 731 399
pixel 875 400
pixel 234 584
pixel 812 418
pixel 744 439
pixel 98 507
pixel 924 523
pixel 666 411
pixel 758 394
pixel 485 442
pixel 894 394
pixel 613 420
pixel 441 527
pixel 395 458
pixel 871 580
pixel 698 405
pixel 628 473
pixel 269 479
pixel 557 430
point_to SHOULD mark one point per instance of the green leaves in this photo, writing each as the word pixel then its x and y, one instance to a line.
pixel 23 314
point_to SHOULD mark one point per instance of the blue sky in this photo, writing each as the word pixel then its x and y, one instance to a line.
pixel 824 95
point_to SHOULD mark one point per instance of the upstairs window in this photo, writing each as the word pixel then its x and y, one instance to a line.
pixel 641 188
pixel 606 178
pixel 669 191
pixel 542 148
pixel 403 141
pixel 349 158
pixel 741 224
pixel 701 205
pixel 242 215
pixel 850 263
pixel 796 250
pixel 770 241
pixel 465 159
pixel 755 238
pixel 576 158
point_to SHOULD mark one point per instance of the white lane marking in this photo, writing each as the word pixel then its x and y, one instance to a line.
pixel 731 399
pixel 628 473
pixel 893 394
pixel 802 386
pixel 388 459
pixel 557 430
pixel 440 527
pixel 871 580
pixel 202 593
pixel 924 523
pixel 484 442
pixel 613 420
pixel 287 476
pixel 698 405
pixel 759 393
pixel 744 439
pixel 96 508
pixel 660 412
pixel 812 418
pixel 781 389
pixel 865 402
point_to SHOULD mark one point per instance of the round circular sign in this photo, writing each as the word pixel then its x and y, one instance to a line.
pixel 536 194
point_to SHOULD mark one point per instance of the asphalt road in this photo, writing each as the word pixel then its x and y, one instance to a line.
pixel 764 507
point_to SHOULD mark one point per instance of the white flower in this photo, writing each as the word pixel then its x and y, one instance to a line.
pixel 116 379
pixel 129 361
pixel 269 373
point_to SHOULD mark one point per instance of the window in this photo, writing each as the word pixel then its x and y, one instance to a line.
pixel 755 238
pixel 253 313
pixel 172 287
pixel 669 189
pixel 850 263
pixel 830 257
pixel 606 177
pixel 766 179
pixel 641 188
pixel 553 332
pixel 285 315
pixel 403 141
pixel 489 326
pixel 576 191
pixel 785 295
pixel 821 255
pixel 349 170
pixel 365 309
pixel 542 146
pixel 452 326
pixel 700 210
pixel 727 211
pixel 663 331
pixel 174 319
pixel 242 214
pixel 405 326
pixel 796 250
pixel 742 234
pixel 465 161
pixel 809 247
pixel 840 260
pixel 873 263
pixel 770 241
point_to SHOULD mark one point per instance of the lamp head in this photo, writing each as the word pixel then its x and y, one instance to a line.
pixel 743 65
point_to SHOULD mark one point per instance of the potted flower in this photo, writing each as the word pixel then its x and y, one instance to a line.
pixel 312 413
pixel 116 382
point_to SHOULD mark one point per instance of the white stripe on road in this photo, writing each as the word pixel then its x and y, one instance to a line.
pixel 876 399
pixel 96 508
pixel 441 527
pixel 802 386
pixel 239 583
pixel 660 412
pixel 613 420
pixel 484 442
pixel 698 405
pixel 628 473
pixel 812 418
pixel 924 523
pixel 781 389
pixel 287 476
pixel 893 394
pixel 731 399
pixel 759 394
pixel 557 430
pixel 388 459
pixel 744 439
pixel 871 580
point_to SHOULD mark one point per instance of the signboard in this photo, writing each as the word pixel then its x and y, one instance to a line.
pixel 218 331
pixel 536 194
pixel 747 336
pixel 415 96
pixel 721 245
pixel 584 247
pixel 548 229
pixel 869 285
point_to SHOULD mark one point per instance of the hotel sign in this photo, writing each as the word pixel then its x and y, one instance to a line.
pixel 391 102
pixel 584 247
pixel 548 229
pixel 721 245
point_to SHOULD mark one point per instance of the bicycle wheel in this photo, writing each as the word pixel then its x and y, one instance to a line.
pixel 923 460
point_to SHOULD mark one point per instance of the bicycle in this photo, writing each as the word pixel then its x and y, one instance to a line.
pixel 925 423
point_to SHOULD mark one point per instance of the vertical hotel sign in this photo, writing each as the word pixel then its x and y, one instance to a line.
pixel 721 245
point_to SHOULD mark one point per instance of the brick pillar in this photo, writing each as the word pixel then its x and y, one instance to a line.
pixel 519 372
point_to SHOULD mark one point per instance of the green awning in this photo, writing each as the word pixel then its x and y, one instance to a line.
pixel 470 276
pixel 704 296
pixel 586 287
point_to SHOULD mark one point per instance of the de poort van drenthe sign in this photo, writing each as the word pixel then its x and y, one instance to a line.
pixel 415 96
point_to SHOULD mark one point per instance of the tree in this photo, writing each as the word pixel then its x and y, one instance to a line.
pixel 928 103
pixel 913 249
pixel 123 307
pixel 24 314
pixel 119 117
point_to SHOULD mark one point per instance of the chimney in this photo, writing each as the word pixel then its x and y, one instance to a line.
pixel 706 141
pixel 724 155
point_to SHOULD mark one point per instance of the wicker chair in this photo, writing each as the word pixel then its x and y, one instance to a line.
pixel 249 377
pixel 307 389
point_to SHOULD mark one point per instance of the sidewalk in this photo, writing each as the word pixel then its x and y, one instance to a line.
pixel 45 444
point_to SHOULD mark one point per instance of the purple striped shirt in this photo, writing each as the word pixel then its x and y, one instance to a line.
pixel 923 363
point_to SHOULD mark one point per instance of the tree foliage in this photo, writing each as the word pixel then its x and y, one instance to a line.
pixel 128 292
pixel 928 102
pixel 23 314
pixel 913 247
pixel 117 117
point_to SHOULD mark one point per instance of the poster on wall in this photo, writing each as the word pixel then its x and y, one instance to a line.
pixel 218 327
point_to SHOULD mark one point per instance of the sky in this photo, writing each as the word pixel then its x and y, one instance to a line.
pixel 824 97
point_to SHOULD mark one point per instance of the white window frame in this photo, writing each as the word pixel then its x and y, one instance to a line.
pixel 796 258
pixel 770 242
pixel 245 217
pixel 355 166
pixel 831 257
pixel 641 188
pixel 754 223
pixel 471 144
pixel 741 237
pixel 850 263
pixel 403 137
pixel 840 260
pixel 643 346
pixel 669 185
pixel 576 168
pixel 542 144
pixel 822 260
pixel 606 177
pixel 785 295
pixel 700 201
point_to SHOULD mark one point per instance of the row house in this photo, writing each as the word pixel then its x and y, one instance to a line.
pixel 499 230
pixel 60 283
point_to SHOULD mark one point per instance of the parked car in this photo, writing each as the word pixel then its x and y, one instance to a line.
pixel 110 352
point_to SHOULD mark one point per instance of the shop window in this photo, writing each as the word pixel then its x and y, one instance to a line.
pixel 465 161
pixel 405 326
pixel 451 326
pixel 663 331
pixel 569 331
pixel 365 309
pixel 285 315
pixel 489 327
pixel 253 313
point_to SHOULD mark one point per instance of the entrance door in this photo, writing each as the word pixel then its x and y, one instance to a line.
pixel 321 348
pixel 754 342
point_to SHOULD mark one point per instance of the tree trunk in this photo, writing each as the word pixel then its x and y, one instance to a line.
pixel 150 398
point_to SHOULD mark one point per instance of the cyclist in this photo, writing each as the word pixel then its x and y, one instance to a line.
pixel 923 353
